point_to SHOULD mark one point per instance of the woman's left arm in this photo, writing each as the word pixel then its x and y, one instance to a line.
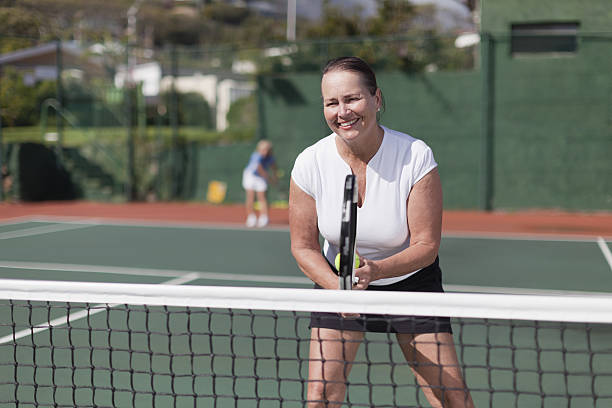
pixel 424 209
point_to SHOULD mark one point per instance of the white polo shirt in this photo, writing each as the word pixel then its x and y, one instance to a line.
pixel 382 223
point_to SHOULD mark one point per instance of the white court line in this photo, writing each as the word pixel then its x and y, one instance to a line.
pixel 282 228
pixel 24 219
pixel 563 237
pixel 69 318
pixel 153 272
pixel 606 250
pixel 519 237
pixel 118 222
pixel 47 229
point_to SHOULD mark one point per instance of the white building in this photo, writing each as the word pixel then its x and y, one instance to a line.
pixel 218 92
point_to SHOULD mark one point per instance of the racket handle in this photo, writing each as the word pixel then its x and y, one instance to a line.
pixel 346 282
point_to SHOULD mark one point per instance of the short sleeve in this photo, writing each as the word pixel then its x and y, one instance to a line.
pixel 267 161
pixel 302 172
pixel 424 161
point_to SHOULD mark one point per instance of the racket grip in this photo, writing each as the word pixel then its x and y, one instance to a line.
pixel 346 282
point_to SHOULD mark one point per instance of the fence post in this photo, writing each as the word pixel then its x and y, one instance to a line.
pixel 128 95
pixel 174 108
pixel 1 159
pixel 261 122
pixel 59 120
pixel 159 148
pixel 487 62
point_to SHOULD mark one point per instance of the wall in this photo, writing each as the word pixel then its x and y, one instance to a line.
pixel 443 109
pixel 550 119
pixel 552 114
pixel 595 16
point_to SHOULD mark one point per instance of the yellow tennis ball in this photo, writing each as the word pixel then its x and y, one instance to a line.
pixel 337 262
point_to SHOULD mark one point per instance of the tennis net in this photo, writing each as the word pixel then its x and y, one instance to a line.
pixel 68 344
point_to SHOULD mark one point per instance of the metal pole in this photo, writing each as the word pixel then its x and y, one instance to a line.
pixel 291 20
pixel 174 107
pixel 487 121
pixel 261 112
pixel 60 98
pixel 1 159
pixel 158 150
pixel 128 94
pixel 141 111
pixel 130 63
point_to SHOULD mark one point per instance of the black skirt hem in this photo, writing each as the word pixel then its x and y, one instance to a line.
pixel 428 279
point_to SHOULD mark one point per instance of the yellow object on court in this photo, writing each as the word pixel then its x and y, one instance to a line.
pixel 216 191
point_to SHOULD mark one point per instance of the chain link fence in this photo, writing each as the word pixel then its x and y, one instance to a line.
pixel 127 123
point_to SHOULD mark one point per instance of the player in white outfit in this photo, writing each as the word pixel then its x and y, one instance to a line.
pixel 398 237
pixel 260 168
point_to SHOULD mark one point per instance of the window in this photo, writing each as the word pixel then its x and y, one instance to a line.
pixel 537 38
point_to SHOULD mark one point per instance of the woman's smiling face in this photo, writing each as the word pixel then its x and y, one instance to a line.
pixel 348 106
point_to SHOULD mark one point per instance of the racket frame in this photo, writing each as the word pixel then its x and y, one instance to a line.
pixel 348 230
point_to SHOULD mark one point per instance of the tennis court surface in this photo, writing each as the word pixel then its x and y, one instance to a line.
pixel 179 305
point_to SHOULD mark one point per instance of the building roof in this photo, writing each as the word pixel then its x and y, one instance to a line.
pixel 70 48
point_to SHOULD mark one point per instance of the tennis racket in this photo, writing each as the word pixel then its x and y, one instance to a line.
pixel 348 230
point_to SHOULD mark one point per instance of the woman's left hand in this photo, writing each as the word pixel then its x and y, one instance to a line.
pixel 365 274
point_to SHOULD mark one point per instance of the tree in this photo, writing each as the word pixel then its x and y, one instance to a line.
pixel 420 46
pixel 21 103
pixel 69 19
pixel 18 28
pixel 393 18
pixel 336 23
pixel 193 110
pixel 226 13
pixel 242 113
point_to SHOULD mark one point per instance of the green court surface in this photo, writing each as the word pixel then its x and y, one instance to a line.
pixel 119 362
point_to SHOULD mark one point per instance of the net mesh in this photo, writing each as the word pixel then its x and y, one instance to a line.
pixel 71 344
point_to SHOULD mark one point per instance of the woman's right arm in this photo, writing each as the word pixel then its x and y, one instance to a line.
pixel 304 233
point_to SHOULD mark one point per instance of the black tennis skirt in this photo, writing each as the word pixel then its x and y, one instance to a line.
pixel 428 279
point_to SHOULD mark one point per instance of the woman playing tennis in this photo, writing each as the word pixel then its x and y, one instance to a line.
pixel 398 236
